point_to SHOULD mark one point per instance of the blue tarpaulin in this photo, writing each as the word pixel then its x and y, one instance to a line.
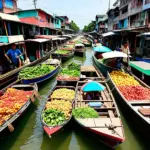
pixel 93 86
pixel 102 49
pixel 9 3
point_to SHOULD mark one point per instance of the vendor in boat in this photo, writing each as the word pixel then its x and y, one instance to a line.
pixel 15 56
pixel 125 49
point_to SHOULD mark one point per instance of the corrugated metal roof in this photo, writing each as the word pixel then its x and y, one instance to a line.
pixel 38 40
pixel 9 17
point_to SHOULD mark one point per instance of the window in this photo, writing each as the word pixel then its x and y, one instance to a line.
pixel 9 3
pixel 52 20
pixel 48 19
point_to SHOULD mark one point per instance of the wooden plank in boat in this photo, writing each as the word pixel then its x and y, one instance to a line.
pixel 144 111
pixel 101 121
pixel 111 114
pixel 87 122
pixel 139 102
pixel 87 69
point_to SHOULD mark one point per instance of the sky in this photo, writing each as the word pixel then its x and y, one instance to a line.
pixel 80 11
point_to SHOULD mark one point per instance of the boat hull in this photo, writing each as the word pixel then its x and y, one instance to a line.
pixel 136 120
pixel 63 57
pixel 103 68
pixel 22 111
pixel 43 78
pixel 12 76
pixel 87 45
pixel 104 138
pixel 79 53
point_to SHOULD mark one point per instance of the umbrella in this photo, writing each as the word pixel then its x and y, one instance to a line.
pixel 102 49
pixel 114 54
pixel 93 86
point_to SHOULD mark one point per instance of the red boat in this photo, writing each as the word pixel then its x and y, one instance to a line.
pixel 108 126
pixel 51 130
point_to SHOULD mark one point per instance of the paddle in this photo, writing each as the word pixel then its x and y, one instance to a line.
pixel 10 127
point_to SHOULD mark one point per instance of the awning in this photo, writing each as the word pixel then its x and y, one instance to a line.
pixel 114 54
pixel 9 17
pixel 108 34
pixel 147 33
pixel 45 36
pixel 58 39
pixel 38 40
pixel 67 36
pixel 141 66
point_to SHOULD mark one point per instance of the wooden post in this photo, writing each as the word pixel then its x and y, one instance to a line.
pixel 9 28
pixel 5 28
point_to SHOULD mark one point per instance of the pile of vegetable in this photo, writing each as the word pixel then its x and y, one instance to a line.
pixel 62 52
pixel 57 112
pixel 61 105
pixel 129 87
pixel 69 46
pixel 85 112
pixel 123 79
pixel 36 71
pixel 71 73
pixel 135 92
pixel 53 117
pixel 63 93
pixel 11 102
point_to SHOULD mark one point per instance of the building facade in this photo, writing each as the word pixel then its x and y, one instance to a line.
pixel 101 23
pixel 8 6
pixel 129 14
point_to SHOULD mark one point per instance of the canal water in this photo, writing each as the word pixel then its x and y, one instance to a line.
pixel 29 135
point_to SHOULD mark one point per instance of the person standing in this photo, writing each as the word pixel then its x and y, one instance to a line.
pixel 14 56
pixel 125 49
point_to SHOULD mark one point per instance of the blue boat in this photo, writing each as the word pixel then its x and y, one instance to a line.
pixel 42 78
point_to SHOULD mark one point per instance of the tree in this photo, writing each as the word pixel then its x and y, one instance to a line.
pixel 74 26
pixel 90 27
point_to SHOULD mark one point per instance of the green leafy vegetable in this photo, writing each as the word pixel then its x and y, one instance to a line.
pixel 62 52
pixel 85 112
pixel 36 71
pixel 53 117
pixel 74 66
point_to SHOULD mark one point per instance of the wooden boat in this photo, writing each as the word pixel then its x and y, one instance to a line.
pixel 91 73
pixel 108 127
pixel 137 110
pixel 101 66
pixel 63 57
pixel 16 116
pixel 79 49
pixel 43 78
pixel 51 130
pixel 12 75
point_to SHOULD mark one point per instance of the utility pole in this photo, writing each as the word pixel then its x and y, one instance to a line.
pixel 109 5
pixel 35 3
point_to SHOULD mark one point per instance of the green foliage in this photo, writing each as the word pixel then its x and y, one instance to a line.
pixel 74 26
pixel 85 112
pixel 90 27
